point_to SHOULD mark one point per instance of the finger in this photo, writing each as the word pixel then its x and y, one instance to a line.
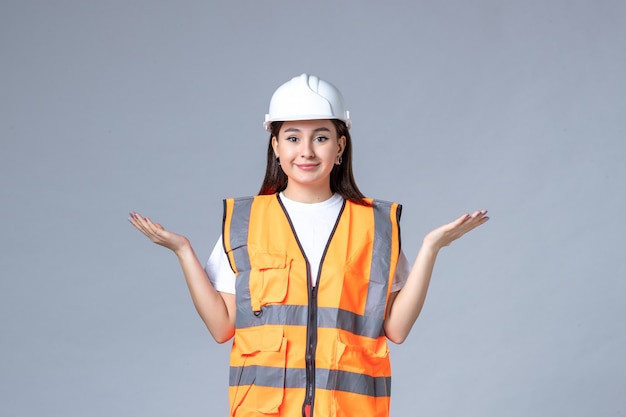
pixel 479 213
pixel 481 217
pixel 137 219
pixel 134 219
pixel 142 228
pixel 135 215
pixel 467 222
pixel 158 231
pixel 476 221
pixel 145 226
pixel 465 217
pixel 152 225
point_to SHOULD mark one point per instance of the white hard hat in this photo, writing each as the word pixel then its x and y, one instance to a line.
pixel 306 97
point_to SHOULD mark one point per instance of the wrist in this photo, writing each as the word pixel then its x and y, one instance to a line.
pixel 184 249
pixel 430 247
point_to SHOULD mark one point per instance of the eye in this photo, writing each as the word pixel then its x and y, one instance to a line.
pixel 291 139
pixel 321 139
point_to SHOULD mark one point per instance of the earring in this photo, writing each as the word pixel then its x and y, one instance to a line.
pixel 339 160
pixel 278 160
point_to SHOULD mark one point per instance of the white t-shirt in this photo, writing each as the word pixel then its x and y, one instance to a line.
pixel 313 224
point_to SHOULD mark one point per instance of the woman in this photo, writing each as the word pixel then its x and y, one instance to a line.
pixel 309 275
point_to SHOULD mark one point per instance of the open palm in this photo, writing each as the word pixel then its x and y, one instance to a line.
pixel 157 233
pixel 446 234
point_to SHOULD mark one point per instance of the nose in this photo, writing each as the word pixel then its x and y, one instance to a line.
pixel 307 149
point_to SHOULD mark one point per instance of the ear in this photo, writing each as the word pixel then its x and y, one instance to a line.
pixel 275 146
pixel 341 142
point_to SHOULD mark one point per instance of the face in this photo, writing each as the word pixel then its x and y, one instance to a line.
pixel 308 151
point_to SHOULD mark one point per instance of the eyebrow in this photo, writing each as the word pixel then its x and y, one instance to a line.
pixel 319 129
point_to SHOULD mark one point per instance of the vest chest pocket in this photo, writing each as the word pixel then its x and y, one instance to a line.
pixel 260 382
pixel 269 278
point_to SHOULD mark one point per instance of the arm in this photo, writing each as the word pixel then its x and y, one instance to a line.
pixel 216 309
pixel 404 306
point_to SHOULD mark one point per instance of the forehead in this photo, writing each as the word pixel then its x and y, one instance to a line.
pixel 307 126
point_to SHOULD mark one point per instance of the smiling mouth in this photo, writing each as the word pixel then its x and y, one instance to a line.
pixel 307 167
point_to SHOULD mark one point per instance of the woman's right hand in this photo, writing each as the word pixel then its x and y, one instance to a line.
pixel 157 233
pixel 217 310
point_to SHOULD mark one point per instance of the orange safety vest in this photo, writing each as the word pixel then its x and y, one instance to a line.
pixel 314 351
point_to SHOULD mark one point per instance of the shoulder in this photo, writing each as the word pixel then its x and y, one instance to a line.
pixel 250 199
pixel 244 205
pixel 373 203
pixel 378 206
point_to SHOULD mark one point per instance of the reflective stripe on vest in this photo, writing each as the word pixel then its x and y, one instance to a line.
pixel 295 343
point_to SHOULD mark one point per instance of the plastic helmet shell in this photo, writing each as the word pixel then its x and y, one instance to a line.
pixel 306 97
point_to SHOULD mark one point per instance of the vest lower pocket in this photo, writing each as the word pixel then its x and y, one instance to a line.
pixel 362 372
pixel 362 383
pixel 259 359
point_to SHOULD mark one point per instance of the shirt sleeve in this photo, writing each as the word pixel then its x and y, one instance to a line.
pixel 218 269
pixel 402 273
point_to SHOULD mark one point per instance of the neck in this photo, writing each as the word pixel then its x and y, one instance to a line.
pixel 307 195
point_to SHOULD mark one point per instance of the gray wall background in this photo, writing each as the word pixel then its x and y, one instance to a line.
pixel 514 106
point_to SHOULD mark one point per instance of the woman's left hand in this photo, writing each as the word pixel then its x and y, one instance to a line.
pixel 448 233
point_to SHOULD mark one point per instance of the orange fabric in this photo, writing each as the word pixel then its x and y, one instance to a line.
pixel 278 277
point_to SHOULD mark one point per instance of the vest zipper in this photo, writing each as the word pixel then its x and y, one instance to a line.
pixel 311 347
pixel 311 327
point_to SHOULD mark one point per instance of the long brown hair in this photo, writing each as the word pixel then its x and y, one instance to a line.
pixel 341 177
